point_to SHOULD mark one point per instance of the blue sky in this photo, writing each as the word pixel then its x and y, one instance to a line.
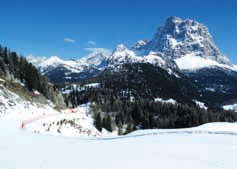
pixel 67 27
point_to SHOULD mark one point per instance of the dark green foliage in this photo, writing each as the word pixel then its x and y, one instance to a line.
pixel 5 56
pixel 98 122
pixel 107 123
pixel 144 113
pixel 23 71
pixel 129 128
pixel 2 67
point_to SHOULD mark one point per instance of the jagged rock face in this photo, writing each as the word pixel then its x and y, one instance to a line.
pixel 121 55
pixel 181 37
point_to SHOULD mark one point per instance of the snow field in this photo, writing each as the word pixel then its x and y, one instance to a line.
pixel 192 62
pixel 210 146
pixel 23 150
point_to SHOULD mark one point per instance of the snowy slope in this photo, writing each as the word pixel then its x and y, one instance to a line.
pixel 210 146
pixel 39 118
pixel 69 123
pixel 192 62
pixel 230 107
pixel 145 149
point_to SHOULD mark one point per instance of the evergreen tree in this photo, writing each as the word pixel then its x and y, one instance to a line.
pixel 2 67
pixel 98 121
pixel 108 124
pixel 5 56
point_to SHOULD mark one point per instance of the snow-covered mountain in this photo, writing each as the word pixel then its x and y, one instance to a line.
pixel 184 44
pixel 180 45
pixel 122 55
pixel 179 38
pixel 96 59
pixel 45 64
pixel 59 70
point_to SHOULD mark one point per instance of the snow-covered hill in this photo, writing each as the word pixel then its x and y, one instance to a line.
pixel 43 118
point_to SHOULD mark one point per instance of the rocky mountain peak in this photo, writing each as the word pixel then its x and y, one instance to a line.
pixel 139 44
pixel 179 38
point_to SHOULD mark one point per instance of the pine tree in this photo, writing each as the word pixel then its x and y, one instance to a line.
pixel 98 122
pixel 108 123
pixel 2 67
pixel 5 56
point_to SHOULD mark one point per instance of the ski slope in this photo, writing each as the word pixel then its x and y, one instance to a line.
pixel 201 147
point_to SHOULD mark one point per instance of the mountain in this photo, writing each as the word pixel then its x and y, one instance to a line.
pixel 123 55
pixel 183 48
pixel 59 71
pixel 186 46
pixel 179 38
pixel 181 44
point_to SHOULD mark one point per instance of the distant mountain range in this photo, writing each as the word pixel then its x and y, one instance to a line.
pixel 183 48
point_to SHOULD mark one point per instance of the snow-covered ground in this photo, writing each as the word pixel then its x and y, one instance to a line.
pixel 230 107
pixel 154 149
pixel 210 146
pixel 172 101
pixel 38 118
pixel 200 104
pixel 193 62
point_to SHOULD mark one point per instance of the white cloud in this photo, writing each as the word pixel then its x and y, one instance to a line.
pixel 91 43
pixel 69 40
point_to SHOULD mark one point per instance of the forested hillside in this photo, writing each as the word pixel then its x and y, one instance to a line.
pixel 130 97
pixel 15 69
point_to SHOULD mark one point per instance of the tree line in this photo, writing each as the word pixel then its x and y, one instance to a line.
pixel 113 108
pixel 14 67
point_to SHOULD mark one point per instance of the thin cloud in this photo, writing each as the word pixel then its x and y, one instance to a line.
pixel 91 43
pixel 69 40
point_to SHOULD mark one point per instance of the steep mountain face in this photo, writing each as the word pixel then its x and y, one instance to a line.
pixel 123 55
pixel 179 38
pixel 191 47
